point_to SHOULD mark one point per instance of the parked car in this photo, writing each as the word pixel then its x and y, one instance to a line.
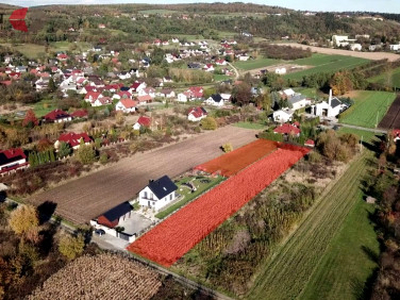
pixel 99 232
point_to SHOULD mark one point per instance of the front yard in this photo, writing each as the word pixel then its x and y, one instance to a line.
pixel 190 187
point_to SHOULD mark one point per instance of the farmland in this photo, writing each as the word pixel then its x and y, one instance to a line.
pixel 235 161
pixel 104 276
pixel 256 64
pixel 87 197
pixel 320 241
pixel 171 239
pixel 389 78
pixel 392 118
pixel 368 109
pixel 322 63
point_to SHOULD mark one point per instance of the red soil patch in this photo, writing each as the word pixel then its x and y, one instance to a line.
pixel 171 239
pixel 235 161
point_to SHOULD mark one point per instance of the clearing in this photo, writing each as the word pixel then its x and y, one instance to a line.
pixel 320 258
pixel 85 198
pixel 368 109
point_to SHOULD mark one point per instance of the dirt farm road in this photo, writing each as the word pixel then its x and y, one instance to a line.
pixel 365 55
pixel 87 197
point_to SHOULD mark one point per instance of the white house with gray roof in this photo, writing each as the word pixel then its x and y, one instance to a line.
pixel 332 108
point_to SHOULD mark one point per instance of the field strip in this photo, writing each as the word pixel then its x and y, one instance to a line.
pixel 286 274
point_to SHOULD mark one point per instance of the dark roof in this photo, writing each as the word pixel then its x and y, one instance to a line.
pixel 335 102
pixel 162 186
pixel 118 211
pixel 296 98
pixel 216 97
pixel 11 155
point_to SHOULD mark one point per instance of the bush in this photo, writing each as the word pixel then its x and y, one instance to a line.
pixel 227 147
pixel 70 246
pixel 209 123
pixel 103 158
pixel 86 154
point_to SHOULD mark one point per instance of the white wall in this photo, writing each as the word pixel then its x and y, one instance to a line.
pixel 156 203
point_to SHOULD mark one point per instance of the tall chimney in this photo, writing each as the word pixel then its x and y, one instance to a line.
pixel 330 97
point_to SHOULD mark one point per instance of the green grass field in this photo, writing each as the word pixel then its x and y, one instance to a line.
pixel 369 108
pixel 221 77
pixel 43 107
pixel 29 50
pixel 325 257
pixel 390 78
pixel 323 63
pixel 349 250
pixel 366 136
pixel 256 64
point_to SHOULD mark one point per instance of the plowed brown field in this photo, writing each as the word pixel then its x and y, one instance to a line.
pixel 392 118
pixel 231 163
pixel 86 198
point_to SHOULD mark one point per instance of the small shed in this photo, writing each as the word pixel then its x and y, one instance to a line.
pixel 370 200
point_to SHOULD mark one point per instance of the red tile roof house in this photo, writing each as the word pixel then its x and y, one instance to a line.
pixel 396 134
pixel 122 95
pixel 57 116
pixel 144 99
pixel 126 105
pixel 196 114
pixel 309 143
pixel 142 121
pixel 287 129
pixel 12 160
pixel 73 139
pixel 82 113
pixel 92 96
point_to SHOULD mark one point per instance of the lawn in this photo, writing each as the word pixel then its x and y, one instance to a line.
pixel 250 125
pixel 29 50
pixel 323 63
pixel 390 78
pixel 366 136
pixel 221 77
pixel 43 107
pixel 256 63
pixel 326 256
pixel 185 191
pixel 369 108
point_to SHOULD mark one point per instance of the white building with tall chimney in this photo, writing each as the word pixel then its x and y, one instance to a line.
pixel 332 108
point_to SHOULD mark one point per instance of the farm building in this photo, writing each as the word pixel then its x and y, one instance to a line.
pixel 196 114
pixel 12 159
pixel 158 193
pixel 283 115
pixel 298 101
pixel 112 217
pixel 332 108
